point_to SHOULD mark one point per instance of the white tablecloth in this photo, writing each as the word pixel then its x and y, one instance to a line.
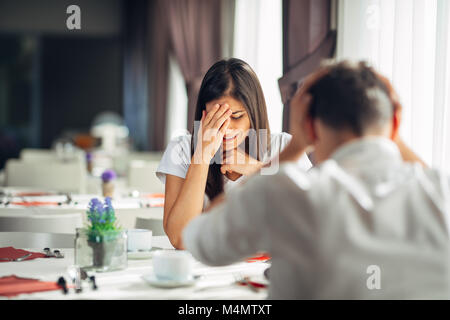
pixel 128 283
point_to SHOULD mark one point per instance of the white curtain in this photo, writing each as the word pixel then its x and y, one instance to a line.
pixel 409 42
pixel 258 40
pixel 177 102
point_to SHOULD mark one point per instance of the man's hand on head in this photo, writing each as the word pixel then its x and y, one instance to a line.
pixel 300 121
pixel 408 155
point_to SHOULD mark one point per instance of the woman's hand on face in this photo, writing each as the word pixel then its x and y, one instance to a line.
pixel 213 126
pixel 237 161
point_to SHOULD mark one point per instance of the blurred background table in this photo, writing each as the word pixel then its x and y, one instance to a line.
pixel 48 211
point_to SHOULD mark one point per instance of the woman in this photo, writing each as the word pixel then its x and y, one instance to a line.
pixel 233 140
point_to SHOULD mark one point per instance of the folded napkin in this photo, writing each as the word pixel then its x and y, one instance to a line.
pixel 262 258
pixel 153 200
pixel 35 203
pixel 11 286
pixel 13 253
pixel 153 195
pixel 32 194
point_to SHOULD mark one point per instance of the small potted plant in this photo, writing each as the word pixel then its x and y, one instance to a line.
pixel 106 239
pixel 108 177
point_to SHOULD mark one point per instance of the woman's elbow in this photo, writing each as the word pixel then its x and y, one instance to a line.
pixel 174 237
pixel 176 242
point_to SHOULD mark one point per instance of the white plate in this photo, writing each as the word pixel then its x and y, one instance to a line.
pixel 140 255
pixel 151 279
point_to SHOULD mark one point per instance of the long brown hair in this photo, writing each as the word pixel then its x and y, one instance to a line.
pixel 234 78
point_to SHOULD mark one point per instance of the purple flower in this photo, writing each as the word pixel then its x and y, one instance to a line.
pixel 95 205
pixel 108 204
pixel 101 213
pixel 88 157
pixel 108 175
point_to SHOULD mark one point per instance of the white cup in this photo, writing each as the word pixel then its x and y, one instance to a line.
pixel 139 240
pixel 173 265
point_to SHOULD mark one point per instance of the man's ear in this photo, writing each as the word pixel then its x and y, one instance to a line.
pixel 396 120
pixel 310 129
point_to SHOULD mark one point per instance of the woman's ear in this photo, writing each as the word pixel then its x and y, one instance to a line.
pixel 396 120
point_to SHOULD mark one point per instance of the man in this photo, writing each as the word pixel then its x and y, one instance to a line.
pixel 362 224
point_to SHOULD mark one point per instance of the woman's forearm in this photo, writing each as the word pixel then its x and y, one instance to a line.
pixel 188 204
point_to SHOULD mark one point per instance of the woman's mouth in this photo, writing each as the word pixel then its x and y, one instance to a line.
pixel 229 138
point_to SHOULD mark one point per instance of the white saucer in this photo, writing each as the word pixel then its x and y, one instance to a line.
pixel 139 255
pixel 154 281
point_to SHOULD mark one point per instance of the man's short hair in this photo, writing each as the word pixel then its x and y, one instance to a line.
pixel 351 96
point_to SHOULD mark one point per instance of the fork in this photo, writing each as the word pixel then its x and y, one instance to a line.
pixel 243 280
pixel 17 259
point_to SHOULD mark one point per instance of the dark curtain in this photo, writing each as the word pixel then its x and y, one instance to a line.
pixel 307 39
pixel 191 30
pixel 158 79
pixel 135 107
pixel 195 32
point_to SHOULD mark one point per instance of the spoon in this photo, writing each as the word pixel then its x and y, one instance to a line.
pixel 18 259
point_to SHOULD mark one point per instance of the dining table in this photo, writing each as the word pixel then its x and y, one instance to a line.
pixel 212 282
pixel 128 206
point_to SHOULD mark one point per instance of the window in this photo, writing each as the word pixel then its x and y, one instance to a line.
pixel 258 40
pixel 409 42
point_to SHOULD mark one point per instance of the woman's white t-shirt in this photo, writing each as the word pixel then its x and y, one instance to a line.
pixel 177 158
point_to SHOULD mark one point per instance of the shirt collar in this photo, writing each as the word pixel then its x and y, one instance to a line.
pixel 371 147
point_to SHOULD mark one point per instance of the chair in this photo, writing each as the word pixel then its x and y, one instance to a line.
pixel 40 155
pixel 37 155
pixel 36 240
pixel 51 223
pixel 156 225
pixel 121 160
pixel 55 175
pixel 145 156
pixel 142 177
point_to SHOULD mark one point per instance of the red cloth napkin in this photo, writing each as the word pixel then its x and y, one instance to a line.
pixel 11 286
pixel 33 194
pixel 263 257
pixel 156 199
pixel 13 253
pixel 35 203
pixel 154 195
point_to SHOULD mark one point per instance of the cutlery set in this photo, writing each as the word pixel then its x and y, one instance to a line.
pixel 17 259
pixel 48 254
pixel 53 254
pixel 240 280
pixel 254 286
pixel 6 198
pixel 77 275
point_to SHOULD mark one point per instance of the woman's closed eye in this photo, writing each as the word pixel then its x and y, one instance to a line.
pixel 236 116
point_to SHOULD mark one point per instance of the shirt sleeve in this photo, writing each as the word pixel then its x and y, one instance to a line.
pixel 176 159
pixel 285 139
pixel 304 162
pixel 234 230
